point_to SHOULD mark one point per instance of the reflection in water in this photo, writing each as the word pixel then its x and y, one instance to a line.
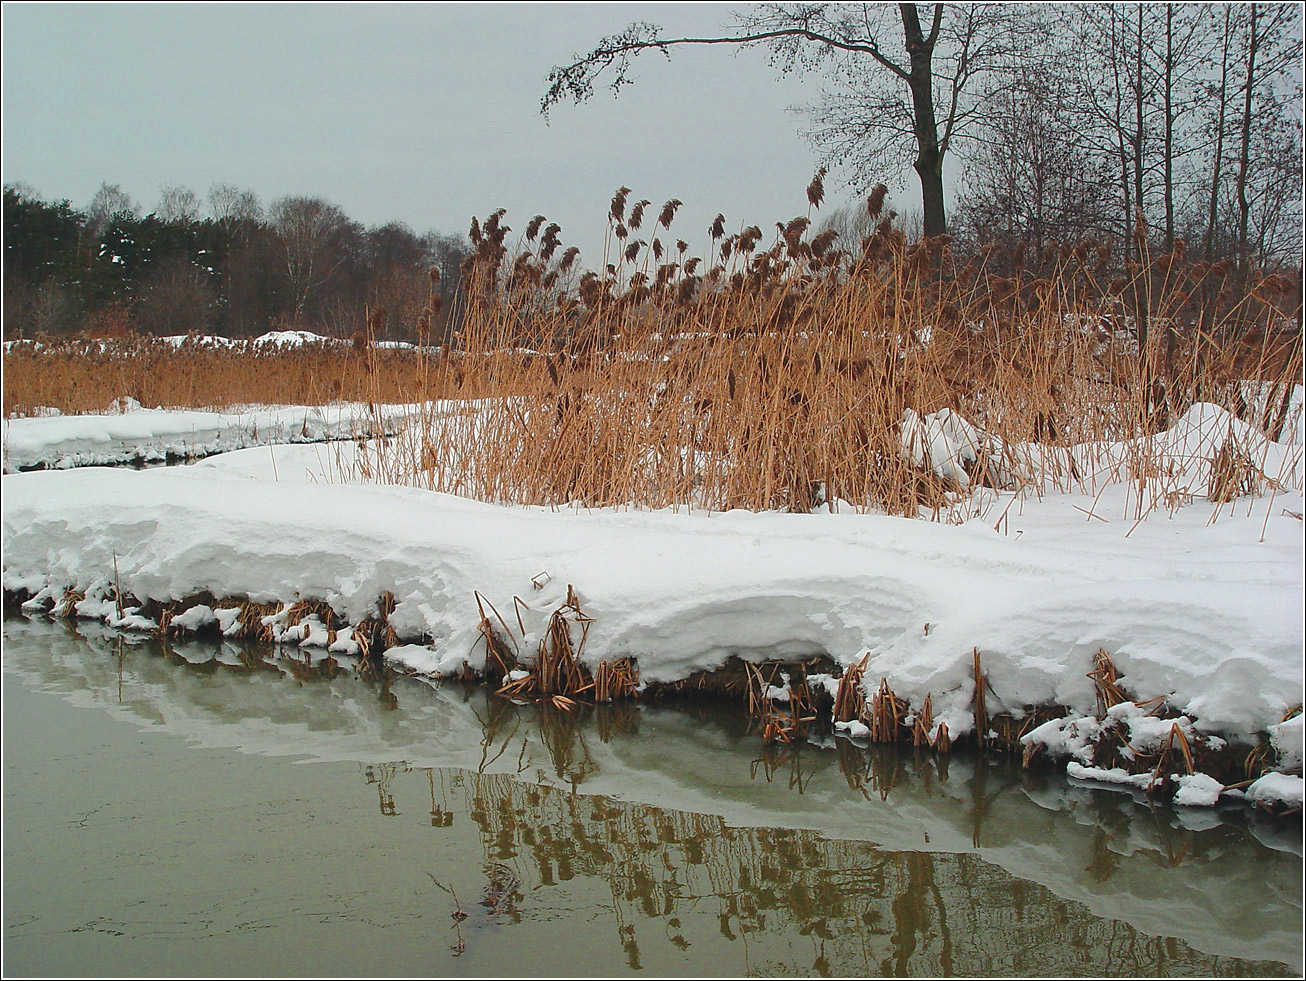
pixel 681 844
pixel 691 880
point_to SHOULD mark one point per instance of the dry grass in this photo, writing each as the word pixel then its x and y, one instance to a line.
pixel 760 374
pixel 84 374
pixel 787 376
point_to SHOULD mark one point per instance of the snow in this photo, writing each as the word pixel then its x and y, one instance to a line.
pixel 853 728
pixel 272 339
pixel 133 434
pixel 943 441
pixel 1286 738
pixel 1282 788
pixel 1199 603
pixel 289 338
pixel 196 618
pixel 1198 790
pixel 1195 789
pixel 1109 775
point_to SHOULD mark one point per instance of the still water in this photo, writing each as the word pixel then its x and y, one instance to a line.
pixel 209 809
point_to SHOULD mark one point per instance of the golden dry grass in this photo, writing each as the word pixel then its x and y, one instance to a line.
pixel 758 374
pixel 86 374
pixel 784 378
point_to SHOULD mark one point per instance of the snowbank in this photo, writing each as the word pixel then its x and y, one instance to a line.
pixel 1186 605
pixel 1200 603
pixel 131 434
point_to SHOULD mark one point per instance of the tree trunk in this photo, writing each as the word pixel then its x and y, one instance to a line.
pixel 1118 129
pixel 1244 157
pixel 1142 299
pixel 920 80
pixel 1169 126
pixel 1140 125
pixel 1208 245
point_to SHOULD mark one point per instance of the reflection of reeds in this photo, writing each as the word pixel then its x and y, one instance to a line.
pixel 616 718
pixel 563 734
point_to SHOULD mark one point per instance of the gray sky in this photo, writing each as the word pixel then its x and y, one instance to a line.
pixel 424 113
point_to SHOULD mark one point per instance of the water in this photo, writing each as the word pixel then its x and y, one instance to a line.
pixel 203 810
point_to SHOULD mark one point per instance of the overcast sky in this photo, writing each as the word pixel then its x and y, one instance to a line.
pixel 423 113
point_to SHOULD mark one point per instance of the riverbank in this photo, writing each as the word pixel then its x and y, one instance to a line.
pixel 1197 609
pixel 131 435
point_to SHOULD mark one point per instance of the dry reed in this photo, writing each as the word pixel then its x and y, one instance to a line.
pixel 787 376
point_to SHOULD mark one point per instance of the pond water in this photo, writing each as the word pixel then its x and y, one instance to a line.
pixel 207 809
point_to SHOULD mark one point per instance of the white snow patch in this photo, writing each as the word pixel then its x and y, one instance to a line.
pixel 1286 738
pixel 1278 788
pixel 196 618
pixel 1198 790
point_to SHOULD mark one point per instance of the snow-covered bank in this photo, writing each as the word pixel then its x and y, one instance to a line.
pixel 138 435
pixel 1191 603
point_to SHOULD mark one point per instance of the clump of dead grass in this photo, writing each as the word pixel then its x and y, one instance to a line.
pixel 782 375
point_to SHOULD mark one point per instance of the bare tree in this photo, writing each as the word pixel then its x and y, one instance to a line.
pixel 448 253
pixel 310 237
pixel 176 298
pixel 230 206
pixel 891 107
pixel 108 201
pixel 1027 183
pixel 178 204
pixel 1270 36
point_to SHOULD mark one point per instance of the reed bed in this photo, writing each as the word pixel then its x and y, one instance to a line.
pixel 784 374
pixel 767 370
pixel 88 374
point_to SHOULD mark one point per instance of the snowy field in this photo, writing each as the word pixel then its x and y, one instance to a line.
pixel 1200 603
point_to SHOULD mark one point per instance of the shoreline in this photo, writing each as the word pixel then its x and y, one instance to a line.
pixel 1185 767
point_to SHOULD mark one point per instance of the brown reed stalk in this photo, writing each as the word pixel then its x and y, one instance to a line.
pixel 887 713
pixel 1106 682
pixel 981 709
pixel 920 734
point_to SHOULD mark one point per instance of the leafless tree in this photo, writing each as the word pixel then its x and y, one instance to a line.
pixel 230 206
pixel 176 297
pixel 905 89
pixel 310 236
pixel 108 201
pixel 178 204
pixel 1028 184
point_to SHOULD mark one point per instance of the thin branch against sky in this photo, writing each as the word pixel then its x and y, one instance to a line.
pixel 424 114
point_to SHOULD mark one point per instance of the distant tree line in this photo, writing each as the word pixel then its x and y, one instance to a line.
pixel 225 265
